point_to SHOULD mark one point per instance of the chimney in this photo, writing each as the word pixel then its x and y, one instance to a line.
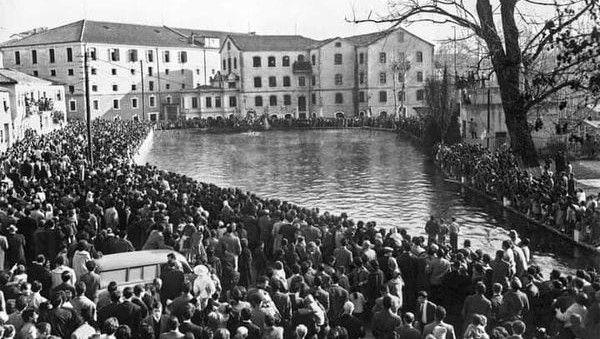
pixel 192 42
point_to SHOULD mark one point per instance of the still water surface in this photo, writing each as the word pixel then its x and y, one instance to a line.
pixel 370 175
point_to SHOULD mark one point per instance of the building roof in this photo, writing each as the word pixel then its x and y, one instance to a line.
pixel 253 42
pixel 367 39
pixel 115 33
pixel 370 38
pixel 11 76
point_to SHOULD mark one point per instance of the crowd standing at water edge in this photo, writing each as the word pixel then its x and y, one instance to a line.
pixel 552 198
pixel 264 268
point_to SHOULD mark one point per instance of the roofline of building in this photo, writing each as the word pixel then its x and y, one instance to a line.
pixel 230 37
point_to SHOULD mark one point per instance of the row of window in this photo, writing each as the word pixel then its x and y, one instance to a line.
pixel 115 87
pixel 383 96
pixel 51 56
pixel 287 82
pixel 337 60
pixel 287 100
pixel 338 80
pixel 208 102
pixel 113 55
pixel 338 98
pixel 258 100
pixel 271 61
pixel 383 77
pixel 134 103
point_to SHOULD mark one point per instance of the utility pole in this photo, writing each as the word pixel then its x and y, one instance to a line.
pixel 143 94
pixel 455 50
pixel 489 97
pixel 88 113
pixel 158 83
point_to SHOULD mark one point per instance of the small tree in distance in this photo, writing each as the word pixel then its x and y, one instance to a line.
pixel 441 118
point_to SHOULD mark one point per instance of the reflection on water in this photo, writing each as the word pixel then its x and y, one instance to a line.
pixel 369 175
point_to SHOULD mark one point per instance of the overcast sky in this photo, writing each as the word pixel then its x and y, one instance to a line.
pixel 318 19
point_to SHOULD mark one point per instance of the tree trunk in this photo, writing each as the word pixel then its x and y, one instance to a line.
pixel 520 137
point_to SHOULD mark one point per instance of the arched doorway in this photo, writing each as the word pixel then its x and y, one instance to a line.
pixel 274 116
pixel 383 115
pixel 340 115
pixel 288 116
pixel 361 114
pixel 136 118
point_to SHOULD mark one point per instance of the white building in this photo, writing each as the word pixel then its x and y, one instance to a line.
pixel 33 103
pixel 133 69
pixel 378 74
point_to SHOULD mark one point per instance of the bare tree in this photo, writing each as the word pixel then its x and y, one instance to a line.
pixel 568 39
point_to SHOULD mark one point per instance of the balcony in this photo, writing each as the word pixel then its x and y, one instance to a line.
pixel 303 67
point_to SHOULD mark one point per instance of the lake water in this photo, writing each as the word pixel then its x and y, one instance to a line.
pixel 370 175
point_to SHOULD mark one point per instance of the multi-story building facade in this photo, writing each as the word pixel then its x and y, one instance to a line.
pixel 33 103
pixel 378 74
pixel 273 72
pixel 219 100
pixel 135 71
pixel 152 72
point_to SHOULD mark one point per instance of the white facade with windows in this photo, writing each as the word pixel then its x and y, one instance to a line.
pixel 378 74
pixel 170 60
pixel 28 103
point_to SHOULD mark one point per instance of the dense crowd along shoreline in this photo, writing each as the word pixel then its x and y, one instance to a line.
pixel 551 200
pixel 264 268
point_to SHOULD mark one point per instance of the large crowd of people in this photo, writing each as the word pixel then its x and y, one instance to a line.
pixel 552 198
pixel 265 268
pixel 260 123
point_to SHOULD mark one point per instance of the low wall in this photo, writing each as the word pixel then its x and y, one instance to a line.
pixel 142 151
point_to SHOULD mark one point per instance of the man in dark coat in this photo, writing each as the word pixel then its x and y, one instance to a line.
pixel 337 297
pixel 187 326
pixel 385 322
pixel 16 247
pixel 27 227
pixel 39 272
pixel 476 304
pixel 408 266
pixel 425 310
pixel 109 310
pixel 63 321
pixel 129 313
pixel 408 331
pixel 173 280
pixel 253 330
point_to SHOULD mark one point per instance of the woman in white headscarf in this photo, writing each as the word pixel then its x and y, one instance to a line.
pixel 204 286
